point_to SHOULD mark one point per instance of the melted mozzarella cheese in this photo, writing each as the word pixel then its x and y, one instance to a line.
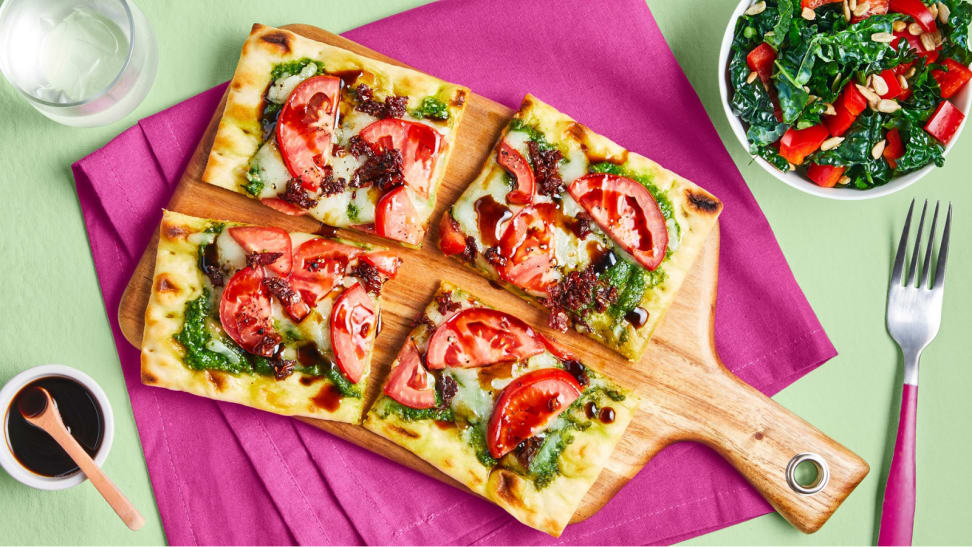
pixel 271 169
pixel 284 85
pixel 232 257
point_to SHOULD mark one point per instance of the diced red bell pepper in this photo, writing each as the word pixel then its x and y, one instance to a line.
pixel 877 7
pixel 891 79
pixel 797 144
pixel 825 175
pixel 848 106
pixel 944 123
pixel 903 67
pixel 914 42
pixel 952 80
pixel 839 123
pixel 814 4
pixel 917 10
pixel 760 60
pixel 853 99
pixel 893 148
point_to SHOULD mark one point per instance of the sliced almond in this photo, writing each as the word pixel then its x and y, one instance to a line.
pixel 898 26
pixel 853 4
pixel 915 29
pixel 883 37
pixel 910 73
pixel 878 149
pixel 806 89
pixel 943 12
pixel 868 93
pixel 751 78
pixel 934 9
pixel 862 8
pixel 756 9
pixel 927 41
pixel 844 180
pixel 769 33
pixel 902 81
pixel 847 11
pixel 879 85
pixel 831 143
pixel 830 110
pixel 812 99
pixel 808 14
pixel 888 106
pixel 792 167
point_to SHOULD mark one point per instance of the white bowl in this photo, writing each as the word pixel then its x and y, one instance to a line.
pixel 10 390
pixel 961 100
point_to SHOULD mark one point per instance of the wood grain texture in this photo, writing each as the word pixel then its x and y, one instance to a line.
pixel 687 393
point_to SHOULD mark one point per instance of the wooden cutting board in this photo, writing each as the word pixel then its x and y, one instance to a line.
pixel 687 393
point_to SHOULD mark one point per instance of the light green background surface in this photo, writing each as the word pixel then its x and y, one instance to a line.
pixel 839 251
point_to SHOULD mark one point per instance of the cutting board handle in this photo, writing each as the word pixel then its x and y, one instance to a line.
pixel 706 403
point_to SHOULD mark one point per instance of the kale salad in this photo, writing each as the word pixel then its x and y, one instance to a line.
pixel 852 93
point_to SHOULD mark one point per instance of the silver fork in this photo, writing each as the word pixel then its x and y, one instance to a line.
pixel 914 316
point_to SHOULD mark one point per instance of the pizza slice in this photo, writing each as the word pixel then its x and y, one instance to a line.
pixel 283 322
pixel 492 403
pixel 314 129
pixel 600 236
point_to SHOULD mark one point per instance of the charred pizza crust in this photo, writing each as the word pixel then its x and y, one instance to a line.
pixel 547 507
pixel 177 280
pixel 240 134
pixel 693 214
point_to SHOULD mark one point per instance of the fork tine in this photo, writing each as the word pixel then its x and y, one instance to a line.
pixel 943 252
pixel 917 251
pixel 926 264
pixel 902 247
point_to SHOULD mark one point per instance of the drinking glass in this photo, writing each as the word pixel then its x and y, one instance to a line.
pixel 79 62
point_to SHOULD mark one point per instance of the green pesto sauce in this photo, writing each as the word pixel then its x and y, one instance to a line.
pixel 632 281
pixel 330 371
pixel 215 228
pixel 254 183
pixel 535 134
pixel 433 109
pixel 195 336
pixel 294 67
pixel 475 436
pixel 352 212
pixel 390 406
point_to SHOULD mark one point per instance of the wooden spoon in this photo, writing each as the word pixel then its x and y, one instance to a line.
pixel 38 408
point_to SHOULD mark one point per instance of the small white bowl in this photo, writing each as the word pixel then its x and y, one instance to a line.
pixel 10 390
pixel 961 100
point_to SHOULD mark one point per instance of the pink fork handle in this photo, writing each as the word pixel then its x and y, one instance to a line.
pixel 898 513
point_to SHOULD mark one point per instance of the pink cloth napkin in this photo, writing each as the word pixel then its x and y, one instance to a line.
pixel 227 474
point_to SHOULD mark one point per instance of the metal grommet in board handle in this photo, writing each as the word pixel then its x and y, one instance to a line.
pixel 823 473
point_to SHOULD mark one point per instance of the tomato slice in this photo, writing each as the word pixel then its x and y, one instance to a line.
pixel 628 212
pixel 797 144
pixel 825 175
pixel 262 239
pixel 451 240
pixel 952 80
pixel 477 337
pixel 894 148
pixel 284 207
pixel 305 127
pixel 408 382
pixel 527 406
pixel 387 262
pixel 396 218
pixel 514 162
pixel 244 312
pixel 528 246
pixel 318 265
pixel 945 122
pixel 760 60
pixel 418 143
pixel 353 331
